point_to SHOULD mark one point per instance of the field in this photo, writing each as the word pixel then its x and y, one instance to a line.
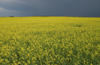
pixel 49 41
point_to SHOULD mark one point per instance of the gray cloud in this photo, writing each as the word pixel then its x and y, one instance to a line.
pixel 51 7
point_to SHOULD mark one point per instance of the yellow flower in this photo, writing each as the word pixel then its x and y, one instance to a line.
pixel 0 42
pixel 33 61
pixel 1 60
pixel 15 64
pixel 91 64
pixel 14 61
pixel 6 61
pixel 28 54
pixel 19 62
pixel 26 64
pixel 28 61
pixel 54 59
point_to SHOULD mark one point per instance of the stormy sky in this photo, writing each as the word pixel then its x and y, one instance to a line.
pixel 82 8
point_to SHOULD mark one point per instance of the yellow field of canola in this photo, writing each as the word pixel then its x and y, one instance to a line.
pixel 49 41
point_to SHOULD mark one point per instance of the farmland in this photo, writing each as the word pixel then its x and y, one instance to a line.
pixel 49 41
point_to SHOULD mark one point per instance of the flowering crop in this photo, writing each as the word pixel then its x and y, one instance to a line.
pixel 49 41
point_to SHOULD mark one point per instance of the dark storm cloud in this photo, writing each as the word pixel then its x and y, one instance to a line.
pixel 52 7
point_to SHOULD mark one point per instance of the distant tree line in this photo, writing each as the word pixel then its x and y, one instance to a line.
pixel 11 16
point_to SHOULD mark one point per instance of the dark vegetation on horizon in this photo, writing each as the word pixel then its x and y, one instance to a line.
pixel 39 16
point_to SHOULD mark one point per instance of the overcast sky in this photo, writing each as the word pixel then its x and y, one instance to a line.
pixel 83 8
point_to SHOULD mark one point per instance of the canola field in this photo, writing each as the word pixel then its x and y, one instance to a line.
pixel 49 41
